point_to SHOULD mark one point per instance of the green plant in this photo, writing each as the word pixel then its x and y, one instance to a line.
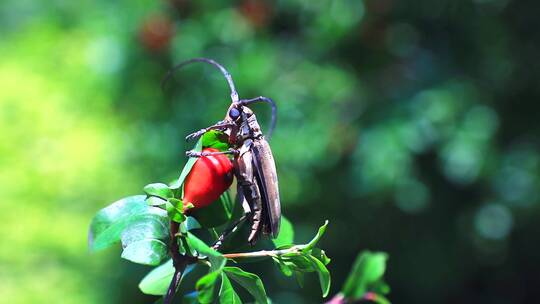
pixel 155 230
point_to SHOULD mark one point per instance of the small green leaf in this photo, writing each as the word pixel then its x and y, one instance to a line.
pixel 215 139
pixel 368 269
pixel 146 252
pixel 191 224
pixel 175 210
pixel 298 262
pixel 187 168
pixel 157 281
pixel 205 287
pixel 159 190
pixel 285 247
pixel 286 233
pixel 324 275
pixel 317 237
pixel 251 282
pixel 109 223
pixel 320 255
pixel 285 269
pixel 155 201
pixel 217 261
pixel 227 295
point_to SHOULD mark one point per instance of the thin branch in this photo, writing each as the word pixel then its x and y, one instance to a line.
pixel 264 253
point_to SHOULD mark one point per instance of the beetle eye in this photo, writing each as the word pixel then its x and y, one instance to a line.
pixel 234 113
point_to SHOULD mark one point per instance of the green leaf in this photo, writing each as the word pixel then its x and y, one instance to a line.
pixel 155 201
pixel 215 139
pixel 285 269
pixel 227 295
pixel 285 247
pixel 324 275
pixel 159 190
pixel 109 223
pixel 217 261
pixel 251 282
pixel 157 281
pixel 317 237
pixel 205 287
pixel 187 168
pixel 286 233
pixel 144 227
pixel 146 252
pixel 141 243
pixel 320 255
pixel 368 269
pixel 175 210
pixel 190 224
pixel 298 262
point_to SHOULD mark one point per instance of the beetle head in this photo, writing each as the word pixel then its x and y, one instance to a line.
pixel 236 112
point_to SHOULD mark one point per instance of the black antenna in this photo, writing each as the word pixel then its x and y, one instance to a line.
pixel 234 94
pixel 246 102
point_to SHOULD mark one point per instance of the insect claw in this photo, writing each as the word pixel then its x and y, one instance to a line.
pixel 191 154
pixel 195 135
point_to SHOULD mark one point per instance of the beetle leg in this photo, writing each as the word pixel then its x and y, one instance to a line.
pixel 251 209
pixel 192 153
pixel 218 126
pixel 252 200
pixel 227 232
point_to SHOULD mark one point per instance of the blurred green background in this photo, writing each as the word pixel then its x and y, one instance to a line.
pixel 413 126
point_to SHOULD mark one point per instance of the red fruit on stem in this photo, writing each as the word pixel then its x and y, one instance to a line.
pixel 208 179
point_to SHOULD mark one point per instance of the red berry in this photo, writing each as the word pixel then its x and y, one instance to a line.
pixel 208 179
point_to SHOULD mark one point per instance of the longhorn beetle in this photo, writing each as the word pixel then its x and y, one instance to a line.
pixel 254 165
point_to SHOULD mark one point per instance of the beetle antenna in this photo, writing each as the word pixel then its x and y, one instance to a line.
pixel 234 94
pixel 246 102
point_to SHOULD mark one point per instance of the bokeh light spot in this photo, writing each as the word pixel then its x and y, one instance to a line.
pixel 493 221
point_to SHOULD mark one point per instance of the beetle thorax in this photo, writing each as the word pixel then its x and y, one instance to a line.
pixel 249 127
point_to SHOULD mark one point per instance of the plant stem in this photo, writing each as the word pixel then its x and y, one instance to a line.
pixel 179 261
pixel 263 253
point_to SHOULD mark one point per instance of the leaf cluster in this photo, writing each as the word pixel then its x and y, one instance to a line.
pixel 142 224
